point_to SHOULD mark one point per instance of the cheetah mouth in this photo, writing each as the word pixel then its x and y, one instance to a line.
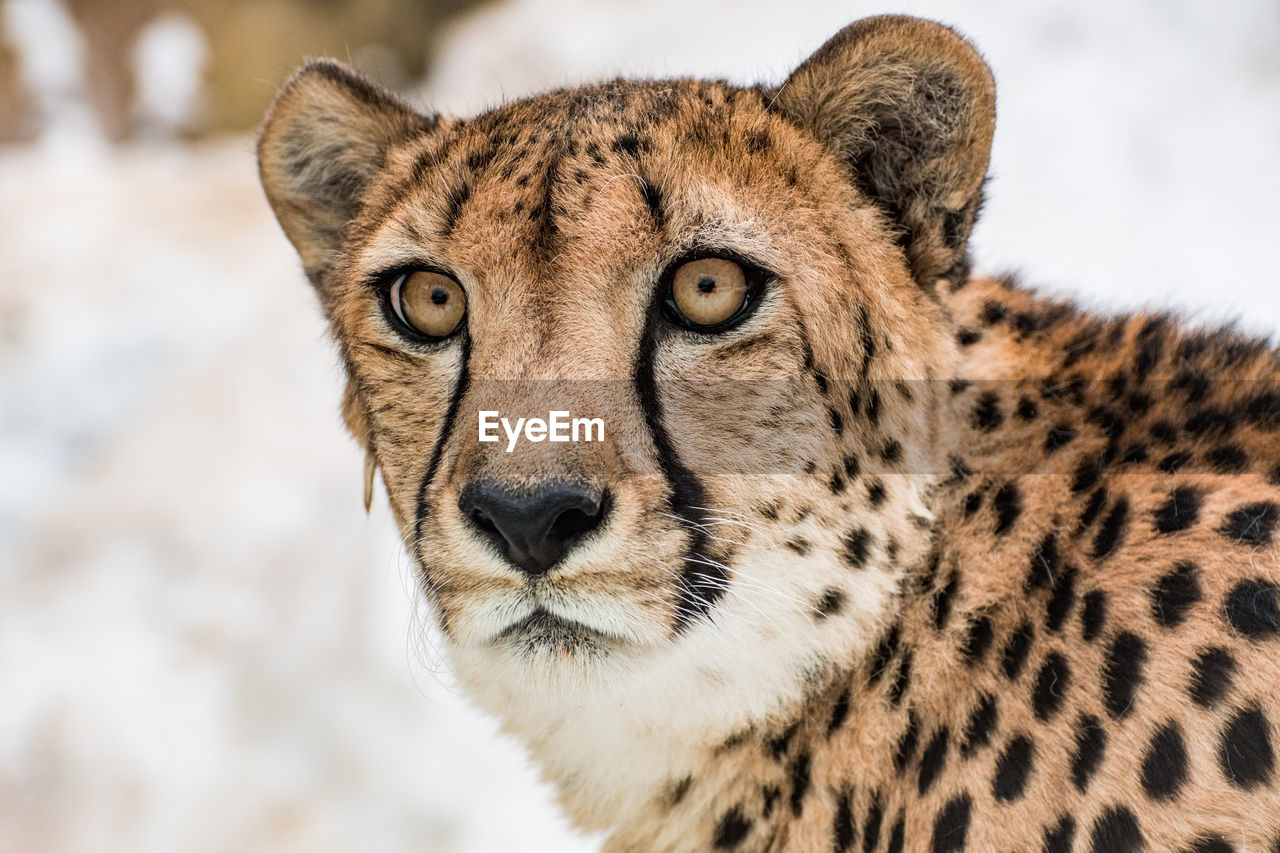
pixel 544 630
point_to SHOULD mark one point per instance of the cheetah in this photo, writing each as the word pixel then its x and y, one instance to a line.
pixel 875 555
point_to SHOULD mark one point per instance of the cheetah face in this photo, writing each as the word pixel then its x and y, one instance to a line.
pixel 701 268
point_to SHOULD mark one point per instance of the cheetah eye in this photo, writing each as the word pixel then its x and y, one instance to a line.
pixel 709 294
pixel 429 303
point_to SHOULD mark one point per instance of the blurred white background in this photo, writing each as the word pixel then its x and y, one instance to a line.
pixel 204 644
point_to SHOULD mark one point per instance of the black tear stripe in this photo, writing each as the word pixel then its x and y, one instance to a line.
pixel 446 429
pixel 702 583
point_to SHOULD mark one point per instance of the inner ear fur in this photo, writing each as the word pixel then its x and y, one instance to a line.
pixel 325 136
pixel 909 107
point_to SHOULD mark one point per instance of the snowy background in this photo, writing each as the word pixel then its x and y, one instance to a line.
pixel 204 644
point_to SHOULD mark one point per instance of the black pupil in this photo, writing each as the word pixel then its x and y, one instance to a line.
pixel 439 296
pixel 706 284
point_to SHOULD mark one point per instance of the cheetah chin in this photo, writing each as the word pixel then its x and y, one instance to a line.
pixel 872 554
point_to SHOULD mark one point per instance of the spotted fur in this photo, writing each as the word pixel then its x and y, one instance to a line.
pixel 907 561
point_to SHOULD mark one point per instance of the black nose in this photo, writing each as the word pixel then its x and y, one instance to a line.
pixel 533 527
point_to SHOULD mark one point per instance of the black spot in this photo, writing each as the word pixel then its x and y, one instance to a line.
pixel 842 829
pixel 871 829
pixel 968 337
pixel 1211 676
pixel 959 386
pixel 903 680
pixel 897 835
pixel 799 782
pixel 891 452
pixel 1027 409
pixel 1211 844
pixel 1252 607
pixel 1211 421
pixel 1174 462
pixel 1016 651
pixel 732 829
pixel 857 547
pixel 1008 506
pixel 1122 673
pixel 1051 686
pixel 906 747
pixel 1227 459
pixel 1164 432
pixel 769 794
pixel 887 648
pixel 1179 512
pixel 830 604
pixel 1113 528
pixel 993 312
pixel 630 144
pixel 1174 594
pixel 1263 410
pixel 1064 597
pixel 986 414
pixel 1246 755
pixel 837 484
pixel 1044 563
pixel 981 725
pixel 1138 402
pixel 951 827
pixel 876 493
pixel 837 422
pixel 1107 421
pixel 1194 382
pixel 1097 501
pixel 872 410
pixel 1059 436
pixel 972 502
pixel 851 467
pixel 800 545
pixel 780 743
pixel 1058 838
pixel 1252 524
pixel 1013 768
pixel 1164 769
pixel 1086 476
pixel 933 759
pixel 1091 744
pixel 1116 831
pixel 977 640
pixel 839 712
pixel 942 600
pixel 1094 615
pixel 1135 455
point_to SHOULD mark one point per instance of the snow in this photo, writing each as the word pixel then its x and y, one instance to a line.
pixel 204 644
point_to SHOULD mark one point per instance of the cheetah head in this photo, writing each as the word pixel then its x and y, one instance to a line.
pixel 737 282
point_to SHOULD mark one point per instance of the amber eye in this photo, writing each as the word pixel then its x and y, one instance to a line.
pixel 708 291
pixel 430 303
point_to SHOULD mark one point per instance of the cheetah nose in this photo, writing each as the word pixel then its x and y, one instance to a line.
pixel 534 526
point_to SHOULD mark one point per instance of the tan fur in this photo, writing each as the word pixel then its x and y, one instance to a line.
pixel 829 523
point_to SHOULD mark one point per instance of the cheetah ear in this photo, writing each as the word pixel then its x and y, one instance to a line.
pixel 909 106
pixel 325 136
